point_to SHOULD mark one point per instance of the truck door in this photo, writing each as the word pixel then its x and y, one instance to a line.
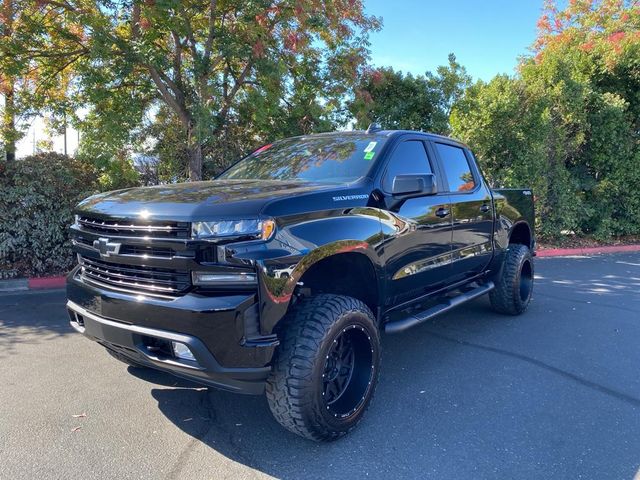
pixel 471 210
pixel 417 232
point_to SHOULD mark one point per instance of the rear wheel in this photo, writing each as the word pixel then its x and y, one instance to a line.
pixel 326 367
pixel 514 284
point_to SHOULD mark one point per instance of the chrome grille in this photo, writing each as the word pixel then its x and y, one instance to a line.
pixel 133 250
pixel 136 229
pixel 145 252
pixel 133 278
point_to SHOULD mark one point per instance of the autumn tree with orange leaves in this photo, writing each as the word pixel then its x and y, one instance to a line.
pixel 8 133
pixel 201 59
pixel 38 53
pixel 569 123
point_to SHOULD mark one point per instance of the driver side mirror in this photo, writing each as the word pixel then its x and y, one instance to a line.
pixel 411 186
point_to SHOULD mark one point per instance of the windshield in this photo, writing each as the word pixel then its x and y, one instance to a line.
pixel 331 158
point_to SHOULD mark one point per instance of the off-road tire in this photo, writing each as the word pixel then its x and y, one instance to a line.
pixel 124 359
pixel 514 283
pixel 296 386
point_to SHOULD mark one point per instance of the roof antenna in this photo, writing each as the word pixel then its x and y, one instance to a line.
pixel 374 127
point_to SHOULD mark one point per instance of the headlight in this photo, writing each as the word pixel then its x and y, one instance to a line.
pixel 259 229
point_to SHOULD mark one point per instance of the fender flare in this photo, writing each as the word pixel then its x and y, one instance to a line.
pixel 518 225
pixel 276 294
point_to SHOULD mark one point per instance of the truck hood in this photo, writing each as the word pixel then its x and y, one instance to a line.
pixel 196 200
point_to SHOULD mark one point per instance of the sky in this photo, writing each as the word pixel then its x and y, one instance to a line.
pixel 487 36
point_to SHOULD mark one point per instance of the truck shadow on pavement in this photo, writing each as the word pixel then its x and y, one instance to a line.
pixel 553 393
pixel 470 393
pixel 449 404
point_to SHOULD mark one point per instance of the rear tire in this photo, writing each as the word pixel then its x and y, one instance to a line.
pixel 326 368
pixel 514 284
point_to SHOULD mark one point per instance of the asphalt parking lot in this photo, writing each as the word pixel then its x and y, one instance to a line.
pixel 551 394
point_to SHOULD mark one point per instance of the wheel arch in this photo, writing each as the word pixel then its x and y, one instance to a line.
pixel 351 273
pixel 522 234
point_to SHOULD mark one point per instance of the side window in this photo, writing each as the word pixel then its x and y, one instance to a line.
pixel 408 158
pixel 456 168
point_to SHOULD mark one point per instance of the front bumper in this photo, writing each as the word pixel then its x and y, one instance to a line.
pixel 139 327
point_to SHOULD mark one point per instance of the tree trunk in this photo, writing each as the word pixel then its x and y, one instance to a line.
pixel 9 122
pixel 195 156
pixel 9 115
pixel 64 132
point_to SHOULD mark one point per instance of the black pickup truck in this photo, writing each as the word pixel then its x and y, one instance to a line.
pixel 280 275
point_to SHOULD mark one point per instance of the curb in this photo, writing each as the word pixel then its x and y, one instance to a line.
pixel 36 283
pixel 47 282
pixel 564 252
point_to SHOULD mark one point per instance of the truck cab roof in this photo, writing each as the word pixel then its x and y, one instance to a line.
pixel 389 134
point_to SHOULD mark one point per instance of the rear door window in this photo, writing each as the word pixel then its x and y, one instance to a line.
pixel 456 168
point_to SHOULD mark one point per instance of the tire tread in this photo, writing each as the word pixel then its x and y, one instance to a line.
pixel 290 382
pixel 505 296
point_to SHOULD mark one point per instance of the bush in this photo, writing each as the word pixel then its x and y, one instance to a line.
pixel 37 197
pixel 566 135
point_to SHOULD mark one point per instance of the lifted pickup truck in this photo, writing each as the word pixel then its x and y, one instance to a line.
pixel 281 274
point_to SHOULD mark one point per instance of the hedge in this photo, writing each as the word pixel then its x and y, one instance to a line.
pixel 37 196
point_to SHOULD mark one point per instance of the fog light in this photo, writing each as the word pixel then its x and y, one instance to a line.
pixel 220 279
pixel 180 350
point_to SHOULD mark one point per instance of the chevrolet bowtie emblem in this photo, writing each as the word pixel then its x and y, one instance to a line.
pixel 105 247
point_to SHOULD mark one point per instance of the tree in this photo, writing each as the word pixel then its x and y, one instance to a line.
pixel 37 53
pixel 585 67
pixel 409 102
pixel 567 124
pixel 450 82
pixel 202 58
pixel 264 113
pixel 8 133
pixel 394 100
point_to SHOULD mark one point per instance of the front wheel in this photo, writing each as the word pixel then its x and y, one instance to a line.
pixel 514 284
pixel 326 368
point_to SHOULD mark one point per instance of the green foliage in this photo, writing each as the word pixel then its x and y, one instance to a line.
pixel 409 102
pixel 37 56
pixel 199 84
pixel 117 174
pixel 568 124
pixel 106 145
pixel 163 138
pixel 214 65
pixel 37 196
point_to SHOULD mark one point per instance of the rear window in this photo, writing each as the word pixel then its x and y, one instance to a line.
pixel 456 168
pixel 330 158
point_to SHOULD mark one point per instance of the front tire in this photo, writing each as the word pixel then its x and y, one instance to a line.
pixel 326 368
pixel 514 284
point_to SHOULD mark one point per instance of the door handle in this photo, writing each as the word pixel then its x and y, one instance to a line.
pixel 442 212
pixel 485 208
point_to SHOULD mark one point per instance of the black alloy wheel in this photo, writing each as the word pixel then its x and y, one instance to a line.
pixel 326 367
pixel 348 371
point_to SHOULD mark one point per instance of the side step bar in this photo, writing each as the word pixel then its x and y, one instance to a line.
pixel 417 318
